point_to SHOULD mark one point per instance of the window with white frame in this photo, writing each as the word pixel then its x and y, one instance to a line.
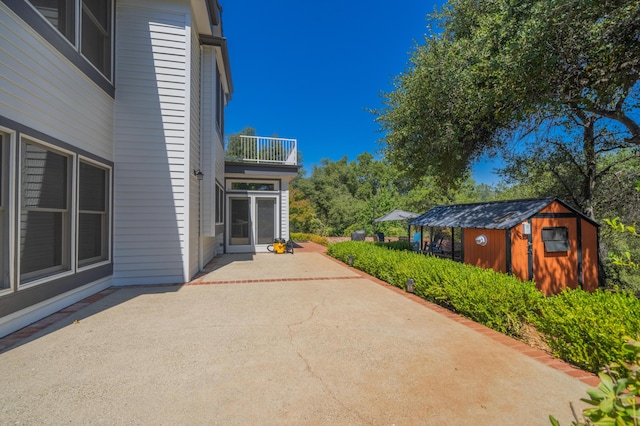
pixel 219 204
pixel 96 34
pixel 4 211
pixel 94 27
pixel 93 216
pixel 45 237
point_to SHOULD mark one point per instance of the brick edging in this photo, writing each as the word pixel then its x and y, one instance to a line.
pixel 18 336
pixel 534 353
pixel 270 280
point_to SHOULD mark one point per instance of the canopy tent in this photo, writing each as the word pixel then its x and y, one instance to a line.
pixel 396 214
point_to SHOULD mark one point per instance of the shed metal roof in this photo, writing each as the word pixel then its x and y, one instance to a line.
pixel 493 215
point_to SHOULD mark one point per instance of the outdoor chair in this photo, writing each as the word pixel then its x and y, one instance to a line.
pixel 435 246
pixel 380 236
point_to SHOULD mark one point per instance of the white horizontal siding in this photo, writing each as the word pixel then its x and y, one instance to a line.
pixel 219 171
pixel 209 243
pixel 41 89
pixel 208 249
pixel 207 127
pixel 212 155
pixel 195 259
pixel 284 207
pixel 152 136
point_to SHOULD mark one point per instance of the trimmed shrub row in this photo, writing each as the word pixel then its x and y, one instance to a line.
pixel 396 245
pixel 585 329
pixel 589 329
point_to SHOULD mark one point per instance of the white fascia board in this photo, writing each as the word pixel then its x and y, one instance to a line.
pixel 202 16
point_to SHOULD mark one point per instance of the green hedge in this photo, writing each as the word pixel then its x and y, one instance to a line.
pixel 589 329
pixel 396 245
pixel 585 329
pixel 300 237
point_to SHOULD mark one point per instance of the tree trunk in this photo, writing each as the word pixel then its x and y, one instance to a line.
pixel 589 149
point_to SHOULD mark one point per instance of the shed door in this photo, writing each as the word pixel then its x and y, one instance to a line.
pixel 555 253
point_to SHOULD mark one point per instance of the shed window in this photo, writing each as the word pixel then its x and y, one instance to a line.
pixel 555 239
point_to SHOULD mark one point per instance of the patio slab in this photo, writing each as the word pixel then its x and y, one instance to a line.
pixel 315 350
pixel 304 263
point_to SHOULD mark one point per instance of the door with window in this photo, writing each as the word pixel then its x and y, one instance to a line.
pixel 253 223
pixel 240 222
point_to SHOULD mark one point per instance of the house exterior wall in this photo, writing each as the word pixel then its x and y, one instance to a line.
pixel 284 207
pixel 195 259
pixel 152 142
pixel 219 173
pixel 212 161
pixel 50 98
pixel 492 255
pixel 44 91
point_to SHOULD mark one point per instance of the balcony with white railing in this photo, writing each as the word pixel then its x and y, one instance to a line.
pixel 263 150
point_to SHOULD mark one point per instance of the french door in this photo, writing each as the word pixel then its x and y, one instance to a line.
pixel 253 222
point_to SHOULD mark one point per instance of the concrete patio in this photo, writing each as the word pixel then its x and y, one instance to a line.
pixel 275 339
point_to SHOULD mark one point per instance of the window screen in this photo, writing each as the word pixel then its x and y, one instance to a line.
pixel 555 239
pixel 44 221
pixel 96 34
pixel 60 13
pixel 93 216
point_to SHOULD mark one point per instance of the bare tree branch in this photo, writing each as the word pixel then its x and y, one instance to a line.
pixel 610 166
pixel 625 120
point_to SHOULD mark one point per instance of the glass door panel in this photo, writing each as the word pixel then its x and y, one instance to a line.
pixel 240 221
pixel 266 220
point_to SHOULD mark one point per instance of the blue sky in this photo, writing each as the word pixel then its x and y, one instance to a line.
pixel 310 70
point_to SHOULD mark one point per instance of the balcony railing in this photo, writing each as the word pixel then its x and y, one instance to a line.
pixel 258 149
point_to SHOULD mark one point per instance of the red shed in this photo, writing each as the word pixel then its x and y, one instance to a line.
pixel 544 240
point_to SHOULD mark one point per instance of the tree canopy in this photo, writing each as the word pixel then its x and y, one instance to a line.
pixel 499 67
